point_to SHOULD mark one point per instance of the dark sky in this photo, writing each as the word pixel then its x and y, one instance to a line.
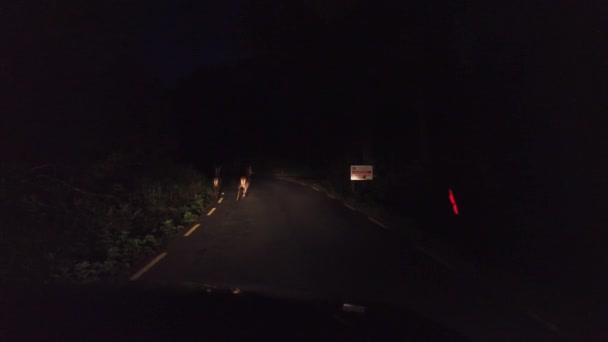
pixel 165 38
pixel 186 35
pixel 172 38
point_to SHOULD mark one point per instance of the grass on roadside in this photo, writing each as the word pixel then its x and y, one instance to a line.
pixel 82 223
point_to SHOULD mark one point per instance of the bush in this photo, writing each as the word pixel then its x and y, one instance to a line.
pixel 86 222
pixel 189 217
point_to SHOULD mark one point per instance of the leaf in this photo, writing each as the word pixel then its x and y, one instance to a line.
pixel 151 241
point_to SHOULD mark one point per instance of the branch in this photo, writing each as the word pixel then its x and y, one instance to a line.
pixel 39 167
pixel 80 190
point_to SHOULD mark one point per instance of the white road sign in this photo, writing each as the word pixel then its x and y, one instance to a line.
pixel 361 172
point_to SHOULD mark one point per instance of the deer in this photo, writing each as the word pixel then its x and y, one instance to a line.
pixel 244 183
pixel 216 182
pixel 244 186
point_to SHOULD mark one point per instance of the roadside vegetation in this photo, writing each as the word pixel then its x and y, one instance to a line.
pixel 401 196
pixel 390 192
pixel 90 221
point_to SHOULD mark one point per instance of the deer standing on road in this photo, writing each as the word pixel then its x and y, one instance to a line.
pixel 244 184
pixel 217 182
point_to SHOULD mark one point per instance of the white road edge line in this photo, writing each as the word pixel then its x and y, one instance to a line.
pixel 316 188
pixel 148 266
pixel 377 222
pixel 349 207
pixel 434 257
pixel 330 196
pixel 191 230
pixel 548 325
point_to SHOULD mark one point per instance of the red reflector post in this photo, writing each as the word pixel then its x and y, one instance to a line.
pixel 453 201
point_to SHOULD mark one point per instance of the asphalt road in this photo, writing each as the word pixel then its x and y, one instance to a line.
pixel 290 239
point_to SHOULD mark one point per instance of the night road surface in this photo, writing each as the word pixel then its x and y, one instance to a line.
pixel 289 239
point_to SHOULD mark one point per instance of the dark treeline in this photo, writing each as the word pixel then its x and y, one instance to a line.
pixel 73 118
pixel 73 86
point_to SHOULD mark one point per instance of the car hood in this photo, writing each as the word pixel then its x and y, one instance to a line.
pixel 198 311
